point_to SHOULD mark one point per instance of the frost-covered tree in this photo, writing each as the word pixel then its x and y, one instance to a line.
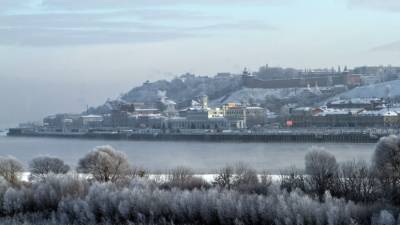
pixel 59 201
pixel 44 165
pixel 357 182
pixel 292 178
pixel 386 164
pixel 183 177
pixel 246 179
pixel 321 168
pixel 50 191
pixel 10 169
pixel 180 174
pixel 244 175
pixel 225 177
pixel 138 172
pixel 384 218
pixel 105 164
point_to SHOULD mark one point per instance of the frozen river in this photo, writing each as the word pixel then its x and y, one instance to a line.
pixel 203 157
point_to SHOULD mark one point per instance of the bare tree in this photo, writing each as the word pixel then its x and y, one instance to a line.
pixel 10 169
pixel 357 182
pixel 245 179
pixel 180 174
pixel 44 165
pixel 292 178
pixel 138 172
pixel 386 164
pixel 183 178
pixel 322 169
pixel 225 177
pixel 105 164
pixel 245 174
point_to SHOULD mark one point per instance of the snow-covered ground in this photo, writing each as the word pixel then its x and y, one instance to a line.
pixel 380 90
pixel 163 177
pixel 257 94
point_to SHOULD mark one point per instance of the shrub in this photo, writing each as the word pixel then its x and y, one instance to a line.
pixel 41 166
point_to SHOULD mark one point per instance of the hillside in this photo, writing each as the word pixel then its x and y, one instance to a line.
pixel 185 88
pixel 381 90
pixel 258 95
pixel 229 88
pixel 181 90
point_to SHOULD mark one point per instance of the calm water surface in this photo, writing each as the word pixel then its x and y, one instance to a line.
pixel 203 157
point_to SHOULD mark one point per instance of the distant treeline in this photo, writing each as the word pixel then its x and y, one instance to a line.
pixel 111 191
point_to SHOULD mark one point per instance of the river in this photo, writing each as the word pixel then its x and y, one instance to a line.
pixel 202 157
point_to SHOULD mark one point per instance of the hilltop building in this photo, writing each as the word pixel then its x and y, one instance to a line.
pixel 303 80
pixel 345 113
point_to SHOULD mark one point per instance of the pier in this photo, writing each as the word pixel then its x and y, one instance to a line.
pixel 295 135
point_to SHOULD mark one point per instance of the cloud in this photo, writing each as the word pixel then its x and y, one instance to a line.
pixel 54 27
pixel 386 5
pixel 9 4
pixel 57 37
pixel 110 34
pixel 244 25
pixel 90 4
pixel 390 47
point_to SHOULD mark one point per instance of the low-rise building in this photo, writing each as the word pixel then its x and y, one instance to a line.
pixel 146 121
pixel 347 118
pixel 91 121
pixel 255 116
pixel 179 123
pixel 62 122
pixel 197 114
pixel 215 113
pixel 364 103
pixel 236 115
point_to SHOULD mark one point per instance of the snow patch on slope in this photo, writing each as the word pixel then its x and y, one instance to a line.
pixel 381 90
pixel 257 94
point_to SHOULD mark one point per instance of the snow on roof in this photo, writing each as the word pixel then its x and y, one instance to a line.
pixel 370 113
pixel 327 112
pixel 196 109
pixel 156 116
pixel 92 116
pixel 177 118
pixel 390 113
pixel 146 110
pixel 382 112
pixel 303 109
pixel 354 101
pixel 217 118
pixel 254 107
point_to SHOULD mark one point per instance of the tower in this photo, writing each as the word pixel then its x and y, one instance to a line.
pixel 204 102
pixel 246 72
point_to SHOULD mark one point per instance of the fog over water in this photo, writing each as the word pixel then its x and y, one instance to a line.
pixel 203 157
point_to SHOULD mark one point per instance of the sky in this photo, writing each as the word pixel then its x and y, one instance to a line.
pixel 62 55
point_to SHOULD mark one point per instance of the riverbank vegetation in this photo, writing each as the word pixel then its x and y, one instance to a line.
pixel 106 189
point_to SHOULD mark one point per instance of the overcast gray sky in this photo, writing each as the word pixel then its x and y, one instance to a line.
pixel 61 55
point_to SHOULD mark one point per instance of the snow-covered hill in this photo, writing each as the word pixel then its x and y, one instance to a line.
pixel 300 96
pixel 380 90
pixel 180 90
pixel 257 95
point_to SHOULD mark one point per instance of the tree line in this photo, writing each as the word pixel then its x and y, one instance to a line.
pixel 106 189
